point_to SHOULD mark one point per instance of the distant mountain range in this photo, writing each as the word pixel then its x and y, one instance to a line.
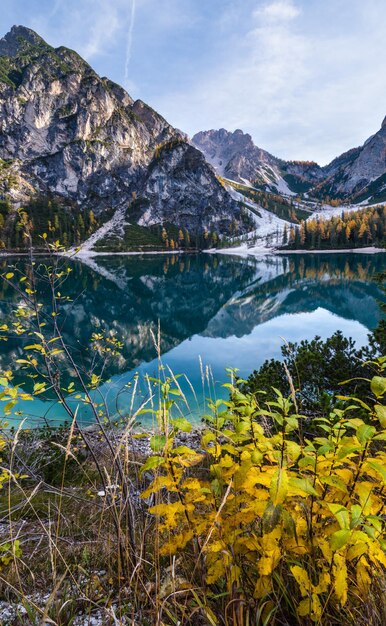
pixel 357 175
pixel 73 142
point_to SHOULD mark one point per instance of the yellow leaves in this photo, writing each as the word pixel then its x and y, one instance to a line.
pixel 376 553
pixel 345 474
pixel 363 577
pixel 95 380
pixel 324 583
pixel 247 478
pixel 216 566
pixel 169 511
pixel 370 504
pixel 279 486
pixel 339 570
pixel 311 606
pixel 159 483
pixel 302 579
pixel 356 550
pixel 177 541
pixel 271 553
pixel 192 484
pixel 263 586
pixel 315 506
pixel 268 562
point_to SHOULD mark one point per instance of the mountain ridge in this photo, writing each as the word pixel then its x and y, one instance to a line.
pixel 67 133
pixel 347 176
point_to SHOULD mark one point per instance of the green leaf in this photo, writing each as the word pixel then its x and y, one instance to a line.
pixel 182 424
pixel 303 484
pixel 306 461
pixel 378 386
pixel 152 462
pixel 380 469
pixel 365 432
pixel 345 450
pixel 158 442
pixel 356 515
pixel 380 411
pixel 334 481
pixel 341 514
pixel 291 423
pixel 339 539
pixel 279 486
pixel 271 517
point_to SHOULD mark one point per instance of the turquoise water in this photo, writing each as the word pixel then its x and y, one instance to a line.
pixel 213 311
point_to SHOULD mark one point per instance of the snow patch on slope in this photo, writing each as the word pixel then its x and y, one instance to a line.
pixel 117 222
pixel 283 188
pixel 268 233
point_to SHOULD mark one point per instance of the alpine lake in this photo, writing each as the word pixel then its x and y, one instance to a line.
pixel 194 316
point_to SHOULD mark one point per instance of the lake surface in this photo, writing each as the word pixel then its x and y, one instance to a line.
pixel 214 312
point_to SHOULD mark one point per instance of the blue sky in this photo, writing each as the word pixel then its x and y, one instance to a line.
pixel 306 78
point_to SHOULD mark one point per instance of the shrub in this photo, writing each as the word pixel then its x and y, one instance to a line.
pixel 320 370
pixel 275 522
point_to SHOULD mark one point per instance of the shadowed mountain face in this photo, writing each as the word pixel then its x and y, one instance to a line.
pixel 211 296
pixel 67 133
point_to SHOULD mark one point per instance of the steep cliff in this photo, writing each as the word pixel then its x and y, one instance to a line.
pixel 67 133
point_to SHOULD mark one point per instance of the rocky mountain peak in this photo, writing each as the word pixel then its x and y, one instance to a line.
pixel 67 133
pixel 18 40
pixel 233 154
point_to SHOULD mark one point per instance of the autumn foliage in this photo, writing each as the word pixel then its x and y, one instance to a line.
pixel 365 227
pixel 276 522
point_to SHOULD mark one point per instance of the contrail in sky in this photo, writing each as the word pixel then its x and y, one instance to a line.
pixel 130 40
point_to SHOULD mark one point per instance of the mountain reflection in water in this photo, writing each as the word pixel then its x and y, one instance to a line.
pixel 230 311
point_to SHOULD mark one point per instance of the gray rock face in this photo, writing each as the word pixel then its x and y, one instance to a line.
pixel 65 131
pixel 351 173
pixel 180 184
pixel 235 156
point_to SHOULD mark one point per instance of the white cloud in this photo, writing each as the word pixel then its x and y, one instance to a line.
pixel 256 84
pixel 305 84
pixel 129 44
pixel 280 10
pixel 93 28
